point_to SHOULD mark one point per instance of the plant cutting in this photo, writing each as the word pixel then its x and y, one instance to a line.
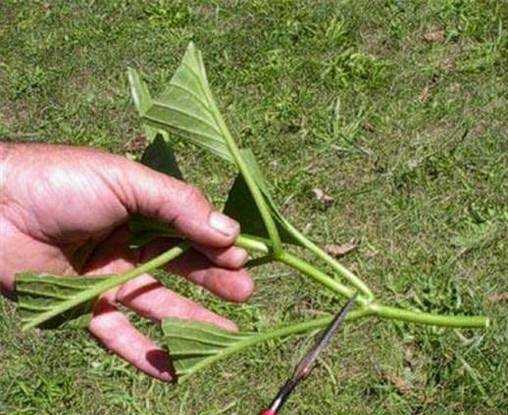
pixel 187 109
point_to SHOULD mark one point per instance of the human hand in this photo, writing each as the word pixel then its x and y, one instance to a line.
pixel 63 210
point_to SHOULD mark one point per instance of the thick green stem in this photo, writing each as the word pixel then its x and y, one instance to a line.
pixel 319 276
pixel 256 193
pixel 249 180
pixel 342 270
pixel 379 309
pixel 395 313
pixel 108 284
pixel 277 333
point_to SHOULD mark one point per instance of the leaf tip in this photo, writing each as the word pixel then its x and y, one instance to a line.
pixel 26 327
pixel 139 91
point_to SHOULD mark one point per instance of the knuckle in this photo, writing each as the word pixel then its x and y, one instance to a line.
pixel 191 195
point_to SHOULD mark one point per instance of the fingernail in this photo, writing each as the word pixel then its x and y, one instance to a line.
pixel 228 325
pixel 223 224
pixel 240 256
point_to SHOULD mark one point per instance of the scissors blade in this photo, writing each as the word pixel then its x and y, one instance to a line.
pixel 306 364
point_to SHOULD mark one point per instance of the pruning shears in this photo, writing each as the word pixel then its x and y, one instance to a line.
pixel 306 365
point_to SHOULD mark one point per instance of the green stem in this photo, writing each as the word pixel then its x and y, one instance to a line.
pixel 139 224
pixel 284 331
pixel 257 244
pixel 337 266
pixel 249 180
pixel 108 284
pixel 383 310
pixel 318 275
pixel 260 245
pixel 306 326
pixel 419 317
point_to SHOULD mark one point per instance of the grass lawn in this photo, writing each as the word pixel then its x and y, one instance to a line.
pixel 395 108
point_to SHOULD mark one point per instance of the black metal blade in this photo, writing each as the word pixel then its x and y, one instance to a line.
pixel 306 364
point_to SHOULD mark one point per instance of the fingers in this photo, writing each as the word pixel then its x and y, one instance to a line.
pixel 145 296
pixel 232 257
pixel 170 200
pixel 111 327
pixel 149 298
pixel 233 285
pixel 114 330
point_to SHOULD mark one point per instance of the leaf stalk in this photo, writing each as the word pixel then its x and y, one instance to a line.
pixel 108 284
pixel 337 266
pixel 276 333
pixel 264 211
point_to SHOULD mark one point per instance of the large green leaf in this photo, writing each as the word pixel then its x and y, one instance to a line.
pixel 186 107
pixel 40 294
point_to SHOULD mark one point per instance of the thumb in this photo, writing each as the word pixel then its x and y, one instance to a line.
pixel 179 204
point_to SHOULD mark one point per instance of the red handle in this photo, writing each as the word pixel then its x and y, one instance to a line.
pixel 268 412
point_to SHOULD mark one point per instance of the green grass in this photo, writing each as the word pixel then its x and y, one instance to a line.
pixel 418 177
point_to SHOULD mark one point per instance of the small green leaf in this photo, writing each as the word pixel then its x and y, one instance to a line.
pixel 139 92
pixel 241 206
pixel 38 294
pixel 160 156
pixel 193 345
pixel 140 239
pixel 144 230
pixel 187 108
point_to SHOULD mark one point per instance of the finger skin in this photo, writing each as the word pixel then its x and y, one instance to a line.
pixel 232 285
pixel 149 298
pixel 146 296
pixel 172 201
pixel 111 327
pixel 64 194
pixel 231 257
pixel 116 333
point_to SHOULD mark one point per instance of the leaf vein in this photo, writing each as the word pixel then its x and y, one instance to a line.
pixel 43 293
pixel 200 81
pixel 192 93
pixel 188 114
